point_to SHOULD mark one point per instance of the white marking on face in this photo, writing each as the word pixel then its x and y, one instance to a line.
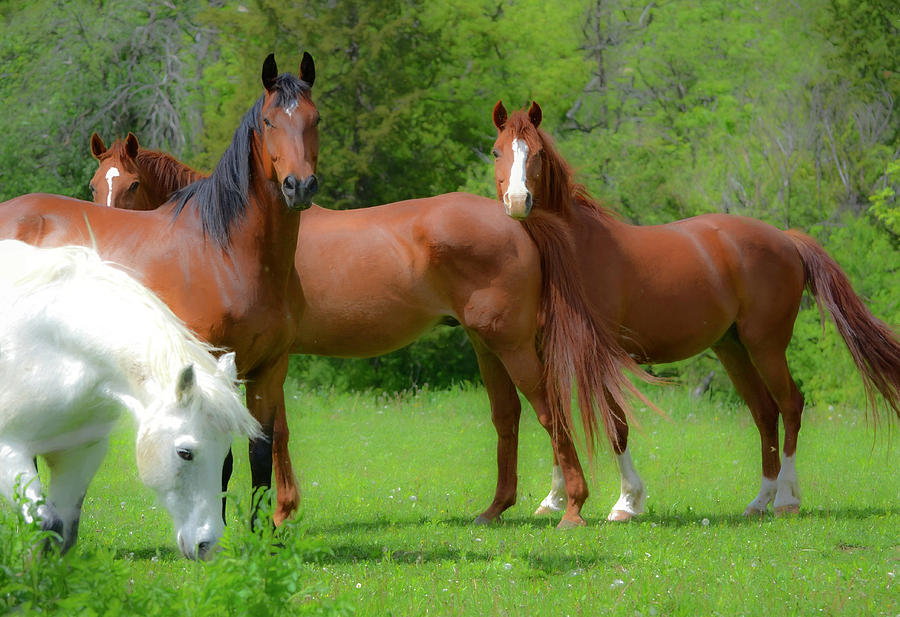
pixel 290 108
pixel 517 171
pixel 111 173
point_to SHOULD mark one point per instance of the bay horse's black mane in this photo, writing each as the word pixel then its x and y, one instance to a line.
pixel 222 198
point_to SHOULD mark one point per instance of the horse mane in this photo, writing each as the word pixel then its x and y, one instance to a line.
pixel 576 344
pixel 168 173
pixel 222 197
pixel 134 322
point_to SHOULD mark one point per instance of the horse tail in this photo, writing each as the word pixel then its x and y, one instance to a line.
pixel 872 343
pixel 575 345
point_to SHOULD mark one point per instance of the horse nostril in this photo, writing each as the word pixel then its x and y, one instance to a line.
pixel 528 201
pixel 311 185
pixel 203 549
pixel 289 186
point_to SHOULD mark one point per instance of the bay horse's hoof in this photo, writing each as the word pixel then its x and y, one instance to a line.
pixel 619 516
pixel 543 511
pixel 570 524
pixel 787 510
pixel 754 512
pixel 483 520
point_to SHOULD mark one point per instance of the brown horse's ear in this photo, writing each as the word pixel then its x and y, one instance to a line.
pixel 308 69
pixel 535 114
pixel 131 145
pixel 269 72
pixel 97 146
pixel 500 115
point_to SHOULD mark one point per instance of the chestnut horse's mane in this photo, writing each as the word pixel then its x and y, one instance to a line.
pixel 168 173
pixel 596 363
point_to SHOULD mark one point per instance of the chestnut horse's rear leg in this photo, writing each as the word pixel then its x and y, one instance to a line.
pixel 505 412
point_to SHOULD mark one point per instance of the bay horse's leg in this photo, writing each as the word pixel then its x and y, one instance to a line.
pixel 526 371
pixel 71 472
pixel 506 410
pixel 265 400
pixel 752 389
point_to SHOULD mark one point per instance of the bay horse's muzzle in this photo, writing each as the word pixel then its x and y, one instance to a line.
pixel 298 194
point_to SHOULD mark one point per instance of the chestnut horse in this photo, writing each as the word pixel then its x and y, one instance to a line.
pixel 407 266
pixel 726 282
pixel 220 252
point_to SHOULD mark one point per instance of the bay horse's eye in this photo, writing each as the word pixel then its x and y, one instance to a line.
pixel 185 454
pixel 267 123
pixel 318 119
pixel 496 153
pixel 134 186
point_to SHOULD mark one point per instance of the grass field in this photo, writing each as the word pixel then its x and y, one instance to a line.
pixel 391 485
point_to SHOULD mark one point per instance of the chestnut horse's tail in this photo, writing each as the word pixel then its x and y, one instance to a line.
pixel 574 344
pixel 872 343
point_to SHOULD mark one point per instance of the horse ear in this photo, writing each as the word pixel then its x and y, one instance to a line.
pixel 184 387
pixel 131 145
pixel 269 72
pixel 97 146
pixel 227 367
pixel 535 114
pixel 307 69
pixel 500 115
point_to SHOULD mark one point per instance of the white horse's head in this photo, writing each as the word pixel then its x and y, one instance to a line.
pixel 182 442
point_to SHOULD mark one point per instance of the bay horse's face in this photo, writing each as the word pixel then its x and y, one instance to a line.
pixel 290 137
pixel 117 181
pixel 517 159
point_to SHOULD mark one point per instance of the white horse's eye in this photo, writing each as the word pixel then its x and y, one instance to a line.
pixel 185 454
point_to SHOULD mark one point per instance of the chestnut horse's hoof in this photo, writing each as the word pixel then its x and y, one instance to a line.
pixel 787 510
pixel 483 520
pixel 571 524
pixel 619 516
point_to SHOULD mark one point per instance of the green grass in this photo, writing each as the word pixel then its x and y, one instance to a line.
pixel 391 485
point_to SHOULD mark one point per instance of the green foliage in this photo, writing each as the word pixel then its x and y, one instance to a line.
pixel 885 206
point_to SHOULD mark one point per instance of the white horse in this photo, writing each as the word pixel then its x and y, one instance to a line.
pixel 80 341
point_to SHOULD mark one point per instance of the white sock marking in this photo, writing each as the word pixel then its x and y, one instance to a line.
pixel 556 499
pixel 111 173
pixel 632 495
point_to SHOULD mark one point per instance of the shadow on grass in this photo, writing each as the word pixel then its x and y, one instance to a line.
pixel 694 518
pixel 162 553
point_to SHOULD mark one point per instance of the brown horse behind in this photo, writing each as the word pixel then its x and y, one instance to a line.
pixel 376 279
pixel 220 253
pixel 726 282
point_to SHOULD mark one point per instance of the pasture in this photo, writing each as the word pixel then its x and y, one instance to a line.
pixel 391 485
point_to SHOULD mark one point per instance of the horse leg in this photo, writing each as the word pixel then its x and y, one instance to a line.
pixel 632 494
pixel 71 471
pixel 526 371
pixel 750 386
pixel 265 400
pixel 555 501
pixel 505 413
pixel 772 366
pixel 19 479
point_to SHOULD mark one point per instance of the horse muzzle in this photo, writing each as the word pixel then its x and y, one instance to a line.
pixel 518 205
pixel 298 194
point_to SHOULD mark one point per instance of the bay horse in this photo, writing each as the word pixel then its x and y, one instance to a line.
pixel 716 281
pixel 375 279
pixel 81 341
pixel 220 251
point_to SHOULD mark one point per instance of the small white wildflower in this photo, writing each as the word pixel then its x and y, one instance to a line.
pixel 507 566
pixel 705 522
pixel 617 583
pixel 359 585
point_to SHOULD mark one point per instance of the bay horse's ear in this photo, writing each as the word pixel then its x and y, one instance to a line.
pixel 97 146
pixel 500 115
pixel 535 114
pixel 269 72
pixel 308 69
pixel 131 145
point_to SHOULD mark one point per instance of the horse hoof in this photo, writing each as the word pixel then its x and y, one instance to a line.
pixel 787 510
pixel 483 520
pixel 543 511
pixel 570 524
pixel 619 516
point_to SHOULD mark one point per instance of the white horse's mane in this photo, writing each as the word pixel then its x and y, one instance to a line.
pixel 135 324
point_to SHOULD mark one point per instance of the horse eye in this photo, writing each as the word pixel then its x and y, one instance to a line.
pixel 93 190
pixel 185 454
pixel 267 123
pixel 318 119
pixel 134 186
pixel 496 153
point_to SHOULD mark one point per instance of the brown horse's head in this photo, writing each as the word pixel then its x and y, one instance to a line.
pixel 517 158
pixel 117 182
pixel 290 137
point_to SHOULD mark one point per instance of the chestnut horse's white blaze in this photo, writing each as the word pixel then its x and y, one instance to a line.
pixel 111 173
pixel 81 341
pixel 517 192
